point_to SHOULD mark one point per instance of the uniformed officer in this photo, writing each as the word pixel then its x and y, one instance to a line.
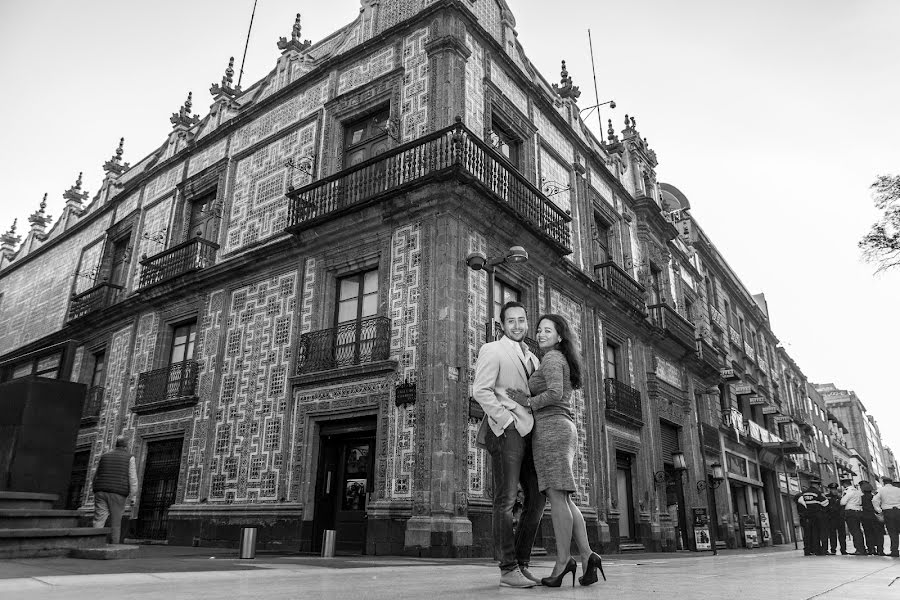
pixel 834 521
pixel 812 504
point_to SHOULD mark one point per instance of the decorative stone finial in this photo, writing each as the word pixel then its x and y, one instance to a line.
pixel 10 239
pixel 39 219
pixel 74 196
pixel 183 117
pixel 565 89
pixel 611 132
pixel 227 88
pixel 295 43
pixel 114 165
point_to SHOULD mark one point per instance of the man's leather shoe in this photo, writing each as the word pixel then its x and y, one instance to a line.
pixel 895 554
pixel 528 575
pixel 515 579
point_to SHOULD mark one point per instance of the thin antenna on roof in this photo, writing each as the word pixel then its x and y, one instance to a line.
pixel 249 29
pixel 596 94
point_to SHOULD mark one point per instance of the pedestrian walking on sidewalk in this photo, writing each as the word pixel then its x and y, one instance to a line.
pixel 887 502
pixel 834 521
pixel 813 503
pixel 851 500
pixel 114 482
pixel 872 526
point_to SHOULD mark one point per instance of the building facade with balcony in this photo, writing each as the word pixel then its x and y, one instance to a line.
pixel 846 406
pixel 275 306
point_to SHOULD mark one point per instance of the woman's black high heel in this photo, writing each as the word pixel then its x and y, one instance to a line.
pixel 571 567
pixel 590 573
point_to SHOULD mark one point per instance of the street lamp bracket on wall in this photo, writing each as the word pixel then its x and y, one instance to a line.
pixel 679 471
pixel 714 480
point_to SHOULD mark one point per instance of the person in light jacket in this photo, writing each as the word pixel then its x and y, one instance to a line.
pixel 851 500
pixel 887 502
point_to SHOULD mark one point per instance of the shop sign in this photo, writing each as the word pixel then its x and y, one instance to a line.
pixel 769 410
pixel 755 400
pixel 743 389
pixel 782 419
pixel 727 374
pixel 405 393
pixel 751 536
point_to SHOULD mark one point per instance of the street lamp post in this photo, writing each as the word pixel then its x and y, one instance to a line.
pixel 478 261
pixel 710 484
pixel 679 468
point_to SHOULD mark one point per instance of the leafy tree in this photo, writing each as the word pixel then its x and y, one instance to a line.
pixel 881 245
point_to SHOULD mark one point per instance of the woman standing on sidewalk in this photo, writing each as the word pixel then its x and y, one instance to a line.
pixel 554 441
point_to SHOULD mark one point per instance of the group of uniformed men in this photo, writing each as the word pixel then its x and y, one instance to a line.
pixel 866 514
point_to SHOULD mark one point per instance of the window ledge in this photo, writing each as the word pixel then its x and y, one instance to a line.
pixel 370 368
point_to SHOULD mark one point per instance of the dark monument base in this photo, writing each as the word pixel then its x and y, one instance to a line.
pixel 39 421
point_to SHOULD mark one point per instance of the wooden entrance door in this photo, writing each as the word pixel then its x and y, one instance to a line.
pixel 625 492
pixel 344 481
pixel 158 488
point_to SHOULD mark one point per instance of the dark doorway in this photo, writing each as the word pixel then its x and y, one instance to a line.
pixel 158 488
pixel 343 484
pixel 75 494
pixel 625 491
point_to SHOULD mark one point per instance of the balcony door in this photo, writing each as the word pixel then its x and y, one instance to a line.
pixel 181 355
pixel 357 304
pixel 201 222
pixel 119 268
pixel 366 137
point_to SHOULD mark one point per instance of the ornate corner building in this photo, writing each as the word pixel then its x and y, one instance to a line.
pixel 275 306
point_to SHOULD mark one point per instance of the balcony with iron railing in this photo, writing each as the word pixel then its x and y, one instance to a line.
pixel 347 345
pixel 186 257
pixel 717 318
pixel 623 403
pixel 735 337
pixel 677 327
pixel 709 357
pixel 94 299
pixel 451 150
pixel 170 387
pixel 617 282
pixel 93 401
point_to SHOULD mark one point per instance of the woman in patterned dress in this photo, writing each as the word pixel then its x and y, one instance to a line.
pixel 554 442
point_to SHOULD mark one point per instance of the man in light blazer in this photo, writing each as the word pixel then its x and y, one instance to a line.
pixel 506 433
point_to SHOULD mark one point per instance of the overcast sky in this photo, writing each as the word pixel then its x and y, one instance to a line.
pixel 773 118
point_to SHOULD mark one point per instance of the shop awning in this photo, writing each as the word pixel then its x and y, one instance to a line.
pixel 785 447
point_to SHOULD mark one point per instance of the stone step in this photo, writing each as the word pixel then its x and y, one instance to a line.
pixel 43 518
pixel 58 541
pixel 107 552
pixel 27 500
pixel 631 548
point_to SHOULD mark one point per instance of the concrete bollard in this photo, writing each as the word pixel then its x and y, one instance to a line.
pixel 328 539
pixel 248 542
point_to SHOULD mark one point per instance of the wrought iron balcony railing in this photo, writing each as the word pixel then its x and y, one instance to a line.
pixel 186 257
pixel 736 337
pixel 349 344
pixel 174 385
pixel 717 318
pixel 665 317
pixel 452 148
pixel 90 412
pixel 623 402
pixel 615 280
pixel 96 298
pixel 749 351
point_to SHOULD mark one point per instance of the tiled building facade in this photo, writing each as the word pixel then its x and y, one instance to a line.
pixel 275 307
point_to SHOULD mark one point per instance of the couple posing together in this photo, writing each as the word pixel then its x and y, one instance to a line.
pixel 529 431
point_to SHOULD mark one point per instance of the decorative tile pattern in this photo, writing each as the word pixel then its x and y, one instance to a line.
pixel 258 205
pixel 303 104
pixel 542 294
pixel 403 298
pixel 157 222
pixel 475 87
pixel 162 184
pixel 206 157
pixel 553 171
pixel 142 361
pixel 509 89
pixel 553 136
pixel 476 317
pixel 306 301
pixel 126 206
pixel 36 294
pixel 207 351
pixel 488 14
pixel 599 184
pixel 414 93
pixel 572 311
pixel 111 413
pixel 367 69
pixel 251 408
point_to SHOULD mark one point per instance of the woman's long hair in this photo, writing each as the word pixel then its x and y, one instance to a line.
pixel 566 346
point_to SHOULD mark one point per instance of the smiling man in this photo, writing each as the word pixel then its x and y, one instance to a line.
pixel 506 433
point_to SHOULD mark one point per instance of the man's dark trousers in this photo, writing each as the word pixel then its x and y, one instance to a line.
pixel 853 519
pixel 892 523
pixel 836 533
pixel 817 537
pixel 512 464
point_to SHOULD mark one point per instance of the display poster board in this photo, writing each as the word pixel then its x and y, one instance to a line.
pixel 766 528
pixel 701 528
pixel 751 535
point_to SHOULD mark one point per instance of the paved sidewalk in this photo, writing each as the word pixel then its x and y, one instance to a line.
pixel 180 572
